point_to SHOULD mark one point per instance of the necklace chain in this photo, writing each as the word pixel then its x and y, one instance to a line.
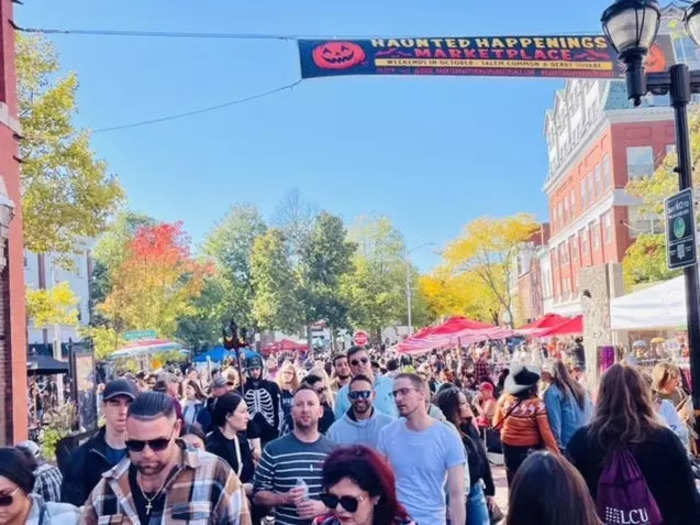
pixel 149 501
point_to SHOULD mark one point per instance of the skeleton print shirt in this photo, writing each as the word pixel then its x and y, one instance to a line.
pixel 264 407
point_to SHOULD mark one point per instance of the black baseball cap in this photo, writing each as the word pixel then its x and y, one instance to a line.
pixel 120 387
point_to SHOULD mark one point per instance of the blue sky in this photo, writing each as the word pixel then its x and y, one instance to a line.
pixel 430 153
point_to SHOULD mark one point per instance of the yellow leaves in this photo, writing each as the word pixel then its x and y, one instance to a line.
pixel 52 306
pixel 105 339
pixel 473 277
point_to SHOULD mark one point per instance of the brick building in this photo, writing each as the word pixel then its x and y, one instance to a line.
pixel 597 142
pixel 13 344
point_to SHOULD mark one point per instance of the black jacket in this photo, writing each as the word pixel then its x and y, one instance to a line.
pixel 478 461
pixel 664 463
pixel 85 468
pixel 225 448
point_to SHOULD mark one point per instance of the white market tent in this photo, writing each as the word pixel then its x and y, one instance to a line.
pixel 658 307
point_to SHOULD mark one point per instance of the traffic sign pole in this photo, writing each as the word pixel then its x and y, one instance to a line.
pixel 680 97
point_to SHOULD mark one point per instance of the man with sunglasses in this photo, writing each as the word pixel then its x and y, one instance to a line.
pixel 360 364
pixel 161 481
pixel 424 454
pixel 361 424
pixel 104 450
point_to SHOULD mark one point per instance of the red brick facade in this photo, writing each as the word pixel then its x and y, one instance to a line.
pixel 589 210
pixel 13 345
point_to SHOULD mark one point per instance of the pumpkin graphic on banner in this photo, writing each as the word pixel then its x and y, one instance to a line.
pixel 338 55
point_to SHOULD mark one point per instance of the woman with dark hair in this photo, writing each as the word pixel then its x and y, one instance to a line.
pixel 547 490
pixel 228 439
pixel 522 418
pixel 625 421
pixel 18 504
pixel 568 405
pixel 455 407
pixel 360 488
pixel 193 402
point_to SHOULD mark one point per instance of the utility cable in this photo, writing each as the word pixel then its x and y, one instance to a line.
pixel 197 111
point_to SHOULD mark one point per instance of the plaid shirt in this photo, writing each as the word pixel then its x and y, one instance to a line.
pixel 482 371
pixel 204 489
pixel 47 482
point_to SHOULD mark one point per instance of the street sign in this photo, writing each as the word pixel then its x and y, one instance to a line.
pixel 680 230
pixel 361 338
pixel 136 335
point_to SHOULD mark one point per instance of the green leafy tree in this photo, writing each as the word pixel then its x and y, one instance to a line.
pixel 230 245
pixel 375 288
pixel 325 257
pixel 201 328
pixel 275 303
pixel 67 194
pixel 645 259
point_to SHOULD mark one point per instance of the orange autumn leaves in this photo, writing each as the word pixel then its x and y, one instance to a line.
pixel 155 282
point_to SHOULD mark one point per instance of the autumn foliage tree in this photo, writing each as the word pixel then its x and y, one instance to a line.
pixel 476 269
pixel 155 283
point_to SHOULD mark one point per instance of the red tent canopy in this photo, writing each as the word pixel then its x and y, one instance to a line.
pixel 458 324
pixel 285 345
pixel 568 327
pixel 546 321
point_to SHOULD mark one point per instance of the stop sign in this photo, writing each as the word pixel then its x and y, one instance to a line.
pixel 361 338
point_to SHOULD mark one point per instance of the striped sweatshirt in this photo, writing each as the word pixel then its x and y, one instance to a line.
pixel 526 425
pixel 285 460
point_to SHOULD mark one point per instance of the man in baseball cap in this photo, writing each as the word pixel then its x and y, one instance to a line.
pixel 105 449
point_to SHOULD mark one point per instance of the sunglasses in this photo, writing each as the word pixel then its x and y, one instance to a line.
pixel 402 391
pixel 7 499
pixel 347 502
pixel 156 445
pixel 360 394
pixel 362 360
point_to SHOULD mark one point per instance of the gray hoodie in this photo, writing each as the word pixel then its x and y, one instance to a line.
pixel 349 431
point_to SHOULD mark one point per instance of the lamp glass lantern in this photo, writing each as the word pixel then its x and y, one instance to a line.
pixel 631 25
pixel 692 21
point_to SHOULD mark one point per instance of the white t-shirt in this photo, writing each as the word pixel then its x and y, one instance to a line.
pixel 420 461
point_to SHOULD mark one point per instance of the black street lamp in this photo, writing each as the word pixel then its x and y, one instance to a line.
pixel 631 26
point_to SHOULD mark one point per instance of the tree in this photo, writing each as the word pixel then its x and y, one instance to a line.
pixel 375 288
pixel 486 250
pixel 109 253
pixel 295 218
pixel 230 245
pixel 645 259
pixel 53 306
pixel 201 328
pixel 274 304
pixel 463 294
pixel 67 194
pixel 326 256
pixel 153 286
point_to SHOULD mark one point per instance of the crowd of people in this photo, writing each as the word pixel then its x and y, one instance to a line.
pixel 366 438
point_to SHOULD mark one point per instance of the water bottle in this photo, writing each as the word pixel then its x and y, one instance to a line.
pixel 301 483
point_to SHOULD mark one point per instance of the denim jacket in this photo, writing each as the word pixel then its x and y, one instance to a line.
pixel 565 415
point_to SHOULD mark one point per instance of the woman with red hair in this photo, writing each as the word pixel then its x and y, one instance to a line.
pixel 360 489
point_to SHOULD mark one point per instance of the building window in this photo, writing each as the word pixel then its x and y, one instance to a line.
pixel 598 183
pixel 595 235
pixel 566 208
pixel 607 172
pixel 640 161
pixel 574 249
pixel 584 193
pixel 583 235
pixel 670 148
pixel 589 183
pixel 607 227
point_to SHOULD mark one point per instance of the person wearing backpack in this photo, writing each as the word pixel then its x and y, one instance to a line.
pixel 635 467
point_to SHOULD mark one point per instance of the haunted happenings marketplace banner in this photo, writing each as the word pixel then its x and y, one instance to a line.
pixel 582 56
